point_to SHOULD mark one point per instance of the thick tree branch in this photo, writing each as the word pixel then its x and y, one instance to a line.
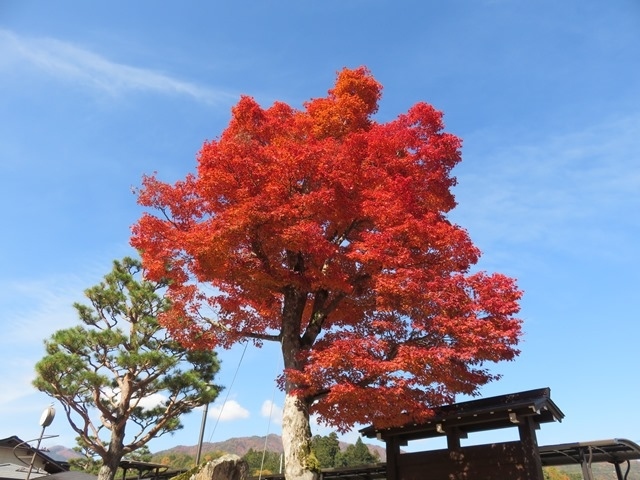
pixel 261 336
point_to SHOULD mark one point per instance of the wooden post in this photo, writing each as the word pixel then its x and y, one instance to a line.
pixel 393 450
pixel 532 462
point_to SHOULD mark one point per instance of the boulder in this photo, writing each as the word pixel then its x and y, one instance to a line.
pixel 227 467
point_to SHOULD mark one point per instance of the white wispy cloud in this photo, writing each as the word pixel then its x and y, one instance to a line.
pixel 33 309
pixel 565 191
pixel 35 306
pixel 271 410
pixel 19 375
pixel 230 410
pixel 74 64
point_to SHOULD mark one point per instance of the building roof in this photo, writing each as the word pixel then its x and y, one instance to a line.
pixel 617 450
pixel 71 475
pixel 478 415
pixel 50 465
pixel 12 471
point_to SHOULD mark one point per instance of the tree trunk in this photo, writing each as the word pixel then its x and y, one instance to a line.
pixel 113 455
pixel 299 463
pixel 107 472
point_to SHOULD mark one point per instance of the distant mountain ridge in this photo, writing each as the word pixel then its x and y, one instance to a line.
pixel 241 445
pixel 61 453
pixel 238 446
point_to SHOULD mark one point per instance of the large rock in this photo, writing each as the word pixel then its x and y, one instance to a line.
pixel 227 467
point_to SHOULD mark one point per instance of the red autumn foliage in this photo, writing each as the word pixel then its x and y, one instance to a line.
pixel 327 231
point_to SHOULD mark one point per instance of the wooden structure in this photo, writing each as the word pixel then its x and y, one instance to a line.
pixel 148 470
pixel 617 451
pixel 519 460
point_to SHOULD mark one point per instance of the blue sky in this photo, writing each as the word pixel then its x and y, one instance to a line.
pixel 545 96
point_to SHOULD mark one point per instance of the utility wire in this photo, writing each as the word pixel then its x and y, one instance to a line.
pixel 266 438
pixel 246 343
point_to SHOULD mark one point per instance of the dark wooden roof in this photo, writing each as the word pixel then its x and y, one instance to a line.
pixel 617 450
pixel 478 415
pixel 142 466
pixel 156 471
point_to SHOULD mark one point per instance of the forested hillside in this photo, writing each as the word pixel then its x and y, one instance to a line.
pixel 265 453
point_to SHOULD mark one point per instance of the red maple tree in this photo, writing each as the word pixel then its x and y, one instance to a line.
pixel 326 231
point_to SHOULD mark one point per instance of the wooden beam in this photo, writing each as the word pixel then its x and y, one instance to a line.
pixel 453 439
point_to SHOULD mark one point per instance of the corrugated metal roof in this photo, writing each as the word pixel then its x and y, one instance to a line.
pixel 11 471
pixel 72 475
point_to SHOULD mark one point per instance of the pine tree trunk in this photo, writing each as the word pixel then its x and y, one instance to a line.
pixel 107 472
pixel 111 459
pixel 296 440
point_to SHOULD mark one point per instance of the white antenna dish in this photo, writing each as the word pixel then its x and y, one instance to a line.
pixel 47 416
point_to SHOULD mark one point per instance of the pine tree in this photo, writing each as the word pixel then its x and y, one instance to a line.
pixel 120 372
pixel 326 449
pixel 355 455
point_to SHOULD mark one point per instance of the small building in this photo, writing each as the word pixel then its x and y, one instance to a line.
pixel 16 457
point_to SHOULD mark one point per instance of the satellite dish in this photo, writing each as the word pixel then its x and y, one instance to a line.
pixel 47 416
